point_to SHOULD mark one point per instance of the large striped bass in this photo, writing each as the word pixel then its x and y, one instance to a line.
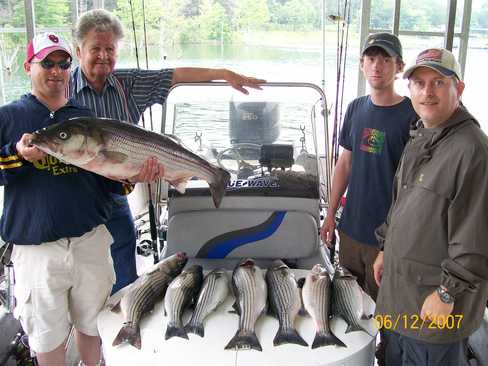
pixel 250 291
pixel 316 294
pixel 285 302
pixel 348 300
pixel 143 294
pixel 214 291
pixel 117 150
pixel 182 292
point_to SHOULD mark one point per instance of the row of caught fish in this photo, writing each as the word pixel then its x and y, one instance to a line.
pixel 286 295
pixel 251 290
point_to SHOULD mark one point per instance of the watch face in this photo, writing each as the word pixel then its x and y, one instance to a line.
pixel 445 296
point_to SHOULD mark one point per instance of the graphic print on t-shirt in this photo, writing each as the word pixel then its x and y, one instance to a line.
pixel 372 140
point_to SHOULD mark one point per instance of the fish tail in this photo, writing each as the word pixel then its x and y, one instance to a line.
pixel 326 339
pixel 174 331
pixel 354 328
pixel 244 341
pixel 288 336
pixel 195 329
pixel 217 187
pixel 129 333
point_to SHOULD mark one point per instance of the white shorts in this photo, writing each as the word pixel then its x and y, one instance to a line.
pixel 61 283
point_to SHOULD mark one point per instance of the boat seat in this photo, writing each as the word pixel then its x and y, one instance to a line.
pixel 257 227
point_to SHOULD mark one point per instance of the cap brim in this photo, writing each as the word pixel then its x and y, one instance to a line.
pixel 441 70
pixel 383 46
pixel 41 55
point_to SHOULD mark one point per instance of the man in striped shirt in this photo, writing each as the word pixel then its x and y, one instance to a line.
pixel 124 94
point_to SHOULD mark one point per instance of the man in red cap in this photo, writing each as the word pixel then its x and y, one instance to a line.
pixel 433 272
pixel 54 215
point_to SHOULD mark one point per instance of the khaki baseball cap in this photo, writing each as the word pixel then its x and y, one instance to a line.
pixel 437 59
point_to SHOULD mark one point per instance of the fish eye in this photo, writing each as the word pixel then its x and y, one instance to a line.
pixel 63 135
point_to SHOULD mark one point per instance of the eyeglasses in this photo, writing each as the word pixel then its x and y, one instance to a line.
pixel 49 64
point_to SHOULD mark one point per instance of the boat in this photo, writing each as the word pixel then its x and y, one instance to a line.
pixel 271 141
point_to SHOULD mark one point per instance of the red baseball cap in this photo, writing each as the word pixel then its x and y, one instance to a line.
pixel 44 44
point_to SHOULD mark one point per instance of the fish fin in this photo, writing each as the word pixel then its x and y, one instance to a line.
pixel 244 341
pixel 288 336
pixel 179 184
pixel 173 331
pixel 114 156
pixel 195 329
pixel 174 138
pixel 116 307
pixel 128 333
pixel 217 187
pixel 272 313
pixel 236 308
pixel 355 328
pixel 326 339
pixel 366 316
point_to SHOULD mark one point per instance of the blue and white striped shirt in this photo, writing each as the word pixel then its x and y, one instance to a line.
pixel 126 94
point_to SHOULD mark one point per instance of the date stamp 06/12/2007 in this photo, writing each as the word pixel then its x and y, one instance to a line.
pixel 415 322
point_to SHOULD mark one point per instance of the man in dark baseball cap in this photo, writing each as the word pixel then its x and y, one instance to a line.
pixel 375 130
pixel 386 41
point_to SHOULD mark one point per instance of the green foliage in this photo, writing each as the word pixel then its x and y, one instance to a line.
pixel 251 14
pixel 214 22
pixel 153 13
pixel 295 14
pixel 175 21
pixel 48 13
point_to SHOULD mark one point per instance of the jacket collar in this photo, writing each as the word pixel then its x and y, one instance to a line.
pixel 459 119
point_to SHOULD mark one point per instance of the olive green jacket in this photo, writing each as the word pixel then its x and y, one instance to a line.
pixel 436 232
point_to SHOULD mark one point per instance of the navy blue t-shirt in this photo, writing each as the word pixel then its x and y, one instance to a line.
pixel 376 136
pixel 46 200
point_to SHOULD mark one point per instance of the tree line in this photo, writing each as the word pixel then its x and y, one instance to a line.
pixel 196 21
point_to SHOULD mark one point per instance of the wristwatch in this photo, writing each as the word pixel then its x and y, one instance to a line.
pixel 445 296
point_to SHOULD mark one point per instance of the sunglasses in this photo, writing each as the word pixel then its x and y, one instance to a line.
pixel 49 64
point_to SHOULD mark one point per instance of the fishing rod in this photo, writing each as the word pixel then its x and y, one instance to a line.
pixel 147 59
pixel 343 21
pixel 152 218
pixel 152 210
pixel 348 22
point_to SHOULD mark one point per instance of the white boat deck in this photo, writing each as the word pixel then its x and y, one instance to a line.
pixel 220 327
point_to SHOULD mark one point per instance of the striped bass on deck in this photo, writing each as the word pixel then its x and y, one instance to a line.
pixel 148 289
pixel 182 292
pixel 348 300
pixel 285 302
pixel 316 294
pixel 214 291
pixel 117 150
pixel 250 291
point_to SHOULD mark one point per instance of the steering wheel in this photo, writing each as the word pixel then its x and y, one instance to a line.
pixel 239 153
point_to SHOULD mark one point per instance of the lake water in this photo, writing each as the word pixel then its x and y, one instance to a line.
pixel 292 63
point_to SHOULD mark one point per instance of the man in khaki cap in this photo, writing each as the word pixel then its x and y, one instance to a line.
pixel 433 272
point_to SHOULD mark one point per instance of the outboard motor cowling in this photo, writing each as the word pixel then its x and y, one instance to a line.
pixel 254 122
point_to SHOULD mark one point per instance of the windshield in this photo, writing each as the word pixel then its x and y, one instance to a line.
pixel 265 138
